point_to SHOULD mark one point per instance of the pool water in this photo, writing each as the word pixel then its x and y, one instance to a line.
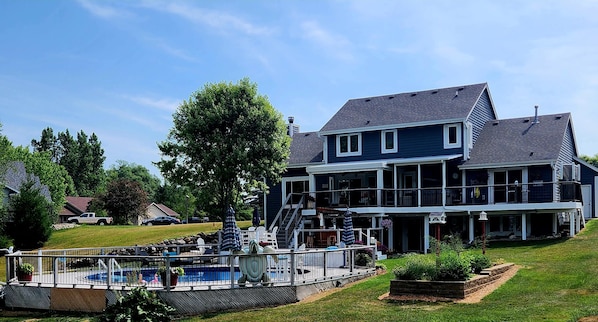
pixel 192 274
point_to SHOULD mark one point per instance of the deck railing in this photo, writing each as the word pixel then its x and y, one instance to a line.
pixel 116 268
pixel 532 192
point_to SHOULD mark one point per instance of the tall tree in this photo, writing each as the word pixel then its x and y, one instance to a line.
pixel 83 158
pixel 226 139
pixel 124 170
pixel 124 200
pixel 47 142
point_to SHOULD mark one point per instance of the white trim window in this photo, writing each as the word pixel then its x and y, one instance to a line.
pixel 452 136
pixel 348 145
pixel 389 141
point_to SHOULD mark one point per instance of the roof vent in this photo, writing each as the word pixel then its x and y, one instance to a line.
pixel 526 121
pixel 495 122
pixel 367 122
pixel 558 117
pixel 413 94
pixel 391 97
pixel 434 92
pixel 367 99
pixel 460 89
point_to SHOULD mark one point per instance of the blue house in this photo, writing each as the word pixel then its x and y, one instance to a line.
pixel 404 158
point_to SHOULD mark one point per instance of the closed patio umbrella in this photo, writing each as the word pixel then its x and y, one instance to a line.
pixel 231 238
pixel 256 217
pixel 348 237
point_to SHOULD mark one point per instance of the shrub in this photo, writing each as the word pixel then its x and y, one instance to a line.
pixel 416 267
pixel 478 262
pixel 453 267
pixel 138 305
pixel 363 259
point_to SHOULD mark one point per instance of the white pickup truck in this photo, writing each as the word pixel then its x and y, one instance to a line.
pixel 90 218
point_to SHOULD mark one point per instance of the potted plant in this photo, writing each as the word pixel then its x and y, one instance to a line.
pixel 24 272
pixel 175 272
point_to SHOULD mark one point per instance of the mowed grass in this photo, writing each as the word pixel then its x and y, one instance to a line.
pixel 558 281
pixel 112 235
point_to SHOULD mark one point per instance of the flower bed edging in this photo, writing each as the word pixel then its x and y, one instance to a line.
pixel 449 289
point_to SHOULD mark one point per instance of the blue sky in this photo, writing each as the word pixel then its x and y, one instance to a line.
pixel 120 68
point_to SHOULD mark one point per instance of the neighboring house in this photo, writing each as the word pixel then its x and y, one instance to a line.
pixel 406 157
pixel 155 210
pixel 74 206
pixel 14 177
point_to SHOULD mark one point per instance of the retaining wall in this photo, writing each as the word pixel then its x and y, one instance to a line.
pixel 449 289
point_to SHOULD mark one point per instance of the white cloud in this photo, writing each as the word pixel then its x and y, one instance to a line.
pixel 100 10
pixel 335 45
pixel 163 104
pixel 219 20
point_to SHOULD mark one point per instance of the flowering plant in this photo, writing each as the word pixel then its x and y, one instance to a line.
pixel 173 270
pixel 386 223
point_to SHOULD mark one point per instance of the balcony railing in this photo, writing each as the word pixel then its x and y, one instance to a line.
pixel 533 192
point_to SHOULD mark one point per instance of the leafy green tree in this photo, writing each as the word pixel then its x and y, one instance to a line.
pixel 134 172
pixel 226 139
pixel 83 158
pixel 591 160
pixel 30 223
pixel 180 199
pixel 124 200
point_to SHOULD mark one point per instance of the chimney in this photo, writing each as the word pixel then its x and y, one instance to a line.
pixel 292 128
pixel 536 121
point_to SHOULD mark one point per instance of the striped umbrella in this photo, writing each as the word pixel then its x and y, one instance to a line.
pixel 348 237
pixel 256 217
pixel 231 237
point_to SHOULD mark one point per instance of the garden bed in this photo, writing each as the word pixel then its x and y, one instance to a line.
pixel 448 290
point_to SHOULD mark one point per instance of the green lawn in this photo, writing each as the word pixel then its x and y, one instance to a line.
pixel 557 282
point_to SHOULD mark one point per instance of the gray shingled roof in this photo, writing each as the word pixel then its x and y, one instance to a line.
pixel 519 140
pixel 306 148
pixel 15 176
pixel 413 107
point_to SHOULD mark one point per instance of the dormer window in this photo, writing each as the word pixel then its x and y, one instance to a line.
pixel 390 142
pixel 348 145
pixel 452 136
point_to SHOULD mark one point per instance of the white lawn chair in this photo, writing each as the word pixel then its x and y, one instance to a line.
pixel 201 247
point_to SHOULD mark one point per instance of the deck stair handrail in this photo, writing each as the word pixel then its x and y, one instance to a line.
pixel 292 222
pixel 287 219
pixel 279 216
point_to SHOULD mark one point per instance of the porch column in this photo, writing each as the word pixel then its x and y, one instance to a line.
pixel 312 185
pixel 379 186
pixel 419 185
pixel 523 227
pixel 577 221
pixel 426 233
pixel 471 228
pixel 443 190
pixel 571 224
pixel 555 223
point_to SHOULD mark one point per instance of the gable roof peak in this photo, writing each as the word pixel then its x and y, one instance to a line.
pixel 434 105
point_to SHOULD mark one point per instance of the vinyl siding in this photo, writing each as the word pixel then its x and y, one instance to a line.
pixel 481 113
pixel 413 142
